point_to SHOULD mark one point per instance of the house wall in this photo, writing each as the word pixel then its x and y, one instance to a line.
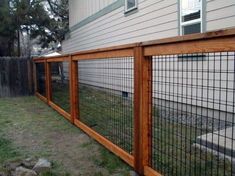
pixel 154 19
pixel 81 9
pixel 220 14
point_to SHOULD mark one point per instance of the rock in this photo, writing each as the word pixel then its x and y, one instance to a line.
pixel 42 166
pixel 29 163
pixel 11 166
pixel 21 171
pixel 133 173
pixel 3 173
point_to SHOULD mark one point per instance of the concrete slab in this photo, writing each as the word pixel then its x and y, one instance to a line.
pixel 221 142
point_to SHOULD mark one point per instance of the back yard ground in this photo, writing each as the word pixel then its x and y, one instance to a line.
pixel 30 129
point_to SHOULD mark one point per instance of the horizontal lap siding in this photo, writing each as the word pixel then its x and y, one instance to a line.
pixel 220 14
pixel 81 9
pixel 154 19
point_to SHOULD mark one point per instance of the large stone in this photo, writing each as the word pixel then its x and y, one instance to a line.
pixel 11 166
pixel 42 166
pixel 29 163
pixel 133 173
pixel 3 173
pixel 21 171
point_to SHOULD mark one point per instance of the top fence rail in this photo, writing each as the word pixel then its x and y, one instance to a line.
pixel 214 41
pixel 159 81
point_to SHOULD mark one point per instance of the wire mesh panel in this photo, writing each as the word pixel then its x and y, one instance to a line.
pixel 193 114
pixel 41 78
pixel 60 84
pixel 106 98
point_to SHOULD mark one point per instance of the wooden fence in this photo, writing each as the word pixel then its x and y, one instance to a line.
pixel 157 82
pixel 16 77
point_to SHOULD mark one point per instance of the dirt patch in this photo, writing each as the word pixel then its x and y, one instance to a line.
pixel 38 131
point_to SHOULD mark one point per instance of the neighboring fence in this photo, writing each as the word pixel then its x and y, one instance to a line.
pixel 166 107
pixel 16 76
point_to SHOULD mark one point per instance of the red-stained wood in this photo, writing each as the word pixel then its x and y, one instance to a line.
pixel 105 54
pixel 60 110
pixel 107 49
pixel 150 172
pixel 76 90
pixel 142 110
pixel 35 77
pixel 216 41
pixel 221 44
pixel 39 60
pixel 59 59
pixel 44 99
pixel 48 82
pixel 193 37
pixel 106 143
pixel 73 69
pixel 46 79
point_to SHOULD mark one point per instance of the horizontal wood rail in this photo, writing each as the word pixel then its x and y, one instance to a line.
pixel 60 110
pixel 215 41
pixel 39 60
pixel 105 142
pixel 104 54
pixel 59 59
pixel 41 97
pixel 150 172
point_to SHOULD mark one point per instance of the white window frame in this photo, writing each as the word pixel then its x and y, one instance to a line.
pixel 132 8
pixel 187 23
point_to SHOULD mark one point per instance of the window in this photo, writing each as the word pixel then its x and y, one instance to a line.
pixel 190 16
pixel 130 5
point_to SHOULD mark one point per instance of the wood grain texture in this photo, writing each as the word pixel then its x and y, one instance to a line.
pixel 193 37
pixel 150 172
pixel 224 44
pixel 106 143
pixel 73 72
pixel 105 54
pixel 48 82
pixel 44 99
pixel 143 108
pixel 60 110
pixel 58 59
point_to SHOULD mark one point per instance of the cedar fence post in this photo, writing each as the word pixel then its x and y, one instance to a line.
pixel 143 109
pixel 35 77
pixel 73 65
pixel 48 82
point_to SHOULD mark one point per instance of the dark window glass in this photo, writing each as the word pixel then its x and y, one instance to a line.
pixel 191 16
pixel 191 29
pixel 131 4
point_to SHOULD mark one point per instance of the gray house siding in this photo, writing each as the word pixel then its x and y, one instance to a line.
pixel 154 19
pixel 82 9
pixel 220 14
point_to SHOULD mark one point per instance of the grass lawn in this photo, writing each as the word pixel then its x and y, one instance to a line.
pixel 175 154
pixel 111 115
pixel 60 94
pixel 31 129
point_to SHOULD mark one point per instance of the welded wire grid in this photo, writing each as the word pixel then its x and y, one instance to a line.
pixel 106 98
pixel 193 114
pixel 60 84
pixel 41 78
